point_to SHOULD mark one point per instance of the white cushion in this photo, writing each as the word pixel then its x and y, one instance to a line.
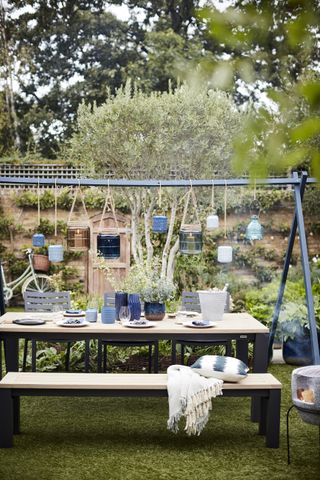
pixel 229 369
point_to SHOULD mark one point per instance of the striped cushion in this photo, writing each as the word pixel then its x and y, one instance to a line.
pixel 228 369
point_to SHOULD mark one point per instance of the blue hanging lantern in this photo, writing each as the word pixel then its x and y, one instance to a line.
pixel 108 245
pixel 38 240
pixel 55 253
pixel 159 224
pixel 254 230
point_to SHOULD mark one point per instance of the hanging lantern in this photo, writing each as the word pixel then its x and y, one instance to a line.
pixel 159 224
pixel 78 238
pixel 254 230
pixel 225 253
pixel 38 240
pixel 190 240
pixel 55 253
pixel 212 222
pixel 108 245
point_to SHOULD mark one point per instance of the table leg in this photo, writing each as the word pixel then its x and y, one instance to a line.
pixel 260 365
pixel 260 353
pixel 242 348
pixel 87 356
pixel 11 351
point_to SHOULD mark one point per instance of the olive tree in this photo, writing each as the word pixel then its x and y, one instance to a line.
pixel 185 133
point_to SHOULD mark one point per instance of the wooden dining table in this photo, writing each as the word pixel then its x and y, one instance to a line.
pixel 240 327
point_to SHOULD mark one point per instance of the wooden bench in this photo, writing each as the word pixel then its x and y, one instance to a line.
pixel 262 386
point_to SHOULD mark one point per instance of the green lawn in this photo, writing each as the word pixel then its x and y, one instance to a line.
pixel 102 438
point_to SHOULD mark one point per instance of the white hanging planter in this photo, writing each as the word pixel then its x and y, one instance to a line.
pixel 225 254
pixel 212 222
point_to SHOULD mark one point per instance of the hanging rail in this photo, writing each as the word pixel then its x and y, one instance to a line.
pixel 91 182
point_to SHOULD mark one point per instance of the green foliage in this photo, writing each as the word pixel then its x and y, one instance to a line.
pixel 272 44
pixel 188 128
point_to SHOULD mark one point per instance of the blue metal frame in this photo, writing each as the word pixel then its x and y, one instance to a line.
pixel 298 184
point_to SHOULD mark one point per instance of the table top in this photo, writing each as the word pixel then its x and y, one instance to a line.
pixel 238 323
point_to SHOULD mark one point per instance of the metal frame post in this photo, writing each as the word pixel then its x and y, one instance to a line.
pixel 297 223
pixel 307 273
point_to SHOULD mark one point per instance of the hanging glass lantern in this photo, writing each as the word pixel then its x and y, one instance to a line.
pixel 78 238
pixel 108 245
pixel 225 254
pixel 38 240
pixel 190 240
pixel 55 253
pixel 212 222
pixel 159 224
pixel 254 230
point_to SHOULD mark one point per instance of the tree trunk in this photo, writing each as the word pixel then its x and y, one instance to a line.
pixel 169 238
pixel 147 222
pixel 171 260
pixel 8 80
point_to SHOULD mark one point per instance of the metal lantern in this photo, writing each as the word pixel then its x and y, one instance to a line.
pixel 190 240
pixel 225 253
pixel 38 240
pixel 108 245
pixel 159 224
pixel 78 238
pixel 55 253
pixel 254 230
pixel 212 222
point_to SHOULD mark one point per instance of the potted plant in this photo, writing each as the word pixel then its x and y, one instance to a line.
pixel 156 291
pixel 294 324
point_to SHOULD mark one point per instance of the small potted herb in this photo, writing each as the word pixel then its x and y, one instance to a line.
pixel 156 292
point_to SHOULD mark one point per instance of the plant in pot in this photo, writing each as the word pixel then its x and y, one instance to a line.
pixel 294 324
pixel 155 293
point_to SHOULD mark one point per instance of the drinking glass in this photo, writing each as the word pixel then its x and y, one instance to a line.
pixel 124 314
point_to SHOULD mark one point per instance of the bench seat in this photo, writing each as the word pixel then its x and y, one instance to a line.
pixel 262 386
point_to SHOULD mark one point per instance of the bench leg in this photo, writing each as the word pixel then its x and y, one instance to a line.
pixel 16 415
pixel 273 419
pixel 6 418
pixel 263 415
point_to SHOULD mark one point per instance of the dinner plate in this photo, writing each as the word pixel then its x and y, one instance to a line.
pixel 135 325
pixel 207 325
pixel 29 321
pixel 64 323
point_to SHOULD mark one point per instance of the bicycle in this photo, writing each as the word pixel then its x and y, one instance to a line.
pixel 29 280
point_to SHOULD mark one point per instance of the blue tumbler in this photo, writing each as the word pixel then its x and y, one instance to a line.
pixel 108 315
pixel 135 306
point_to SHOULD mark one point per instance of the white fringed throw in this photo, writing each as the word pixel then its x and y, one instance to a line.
pixel 190 396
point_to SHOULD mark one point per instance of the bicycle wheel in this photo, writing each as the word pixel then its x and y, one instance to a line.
pixel 43 281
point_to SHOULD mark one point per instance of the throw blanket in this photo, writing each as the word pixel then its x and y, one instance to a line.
pixel 190 396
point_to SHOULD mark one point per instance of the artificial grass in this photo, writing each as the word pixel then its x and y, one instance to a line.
pixel 127 439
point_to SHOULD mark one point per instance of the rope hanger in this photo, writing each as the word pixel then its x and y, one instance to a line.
pixel 77 192
pixel 109 205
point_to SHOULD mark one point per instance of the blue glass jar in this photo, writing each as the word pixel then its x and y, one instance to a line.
pixel 38 240
pixel 254 230
pixel 108 245
pixel 108 314
pixel 55 253
pixel 159 224
pixel 135 306
pixel 154 311
pixel 121 300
